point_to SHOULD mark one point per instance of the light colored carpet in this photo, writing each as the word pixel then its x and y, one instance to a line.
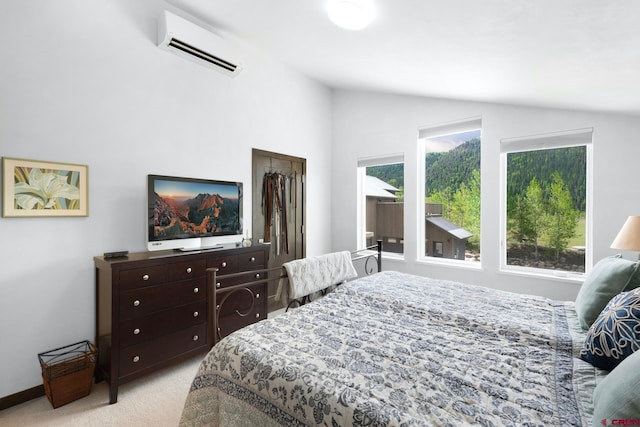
pixel 154 400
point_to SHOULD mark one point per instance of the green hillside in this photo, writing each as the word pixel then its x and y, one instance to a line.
pixel 569 162
pixel 391 174
pixel 452 168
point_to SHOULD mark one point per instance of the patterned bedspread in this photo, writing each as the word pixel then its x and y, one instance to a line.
pixel 393 349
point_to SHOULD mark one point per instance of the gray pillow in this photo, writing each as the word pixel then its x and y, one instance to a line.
pixel 634 282
pixel 609 277
pixel 617 397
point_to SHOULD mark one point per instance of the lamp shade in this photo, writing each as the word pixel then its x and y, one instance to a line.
pixel 628 237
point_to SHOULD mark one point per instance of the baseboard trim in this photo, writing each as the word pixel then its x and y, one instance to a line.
pixel 21 397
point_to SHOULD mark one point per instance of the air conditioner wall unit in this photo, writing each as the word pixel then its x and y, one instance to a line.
pixel 186 39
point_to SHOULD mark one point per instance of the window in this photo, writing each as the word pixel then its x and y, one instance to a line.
pixel 381 207
pixel 545 205
pixel 438 249
pixel 451 208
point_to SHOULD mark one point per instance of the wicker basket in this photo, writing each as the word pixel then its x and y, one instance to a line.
pixel 67 372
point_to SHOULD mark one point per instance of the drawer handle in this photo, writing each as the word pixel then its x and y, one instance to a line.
pixel 218 307
pixel 196 314
pixel 253 259
pixel 218 285
pixel 257 315
pixel 188 270
pixel 195 337
pixel 136 359
pixel 136 331
pixel 257 275
pixel 136 303
pixel 257 295
pixel 224 264
pixel 196 290
pixel 145 277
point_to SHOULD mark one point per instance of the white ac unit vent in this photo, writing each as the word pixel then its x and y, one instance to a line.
pixel 186 39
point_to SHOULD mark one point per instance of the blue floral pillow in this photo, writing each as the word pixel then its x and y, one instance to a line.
pixel 616 332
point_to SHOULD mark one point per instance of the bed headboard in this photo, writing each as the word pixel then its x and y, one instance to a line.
pixel 369 257
pixel 249 280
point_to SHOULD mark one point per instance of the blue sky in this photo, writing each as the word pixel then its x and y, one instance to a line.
pixel 444 143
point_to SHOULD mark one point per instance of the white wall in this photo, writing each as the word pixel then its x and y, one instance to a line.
pixel 368 124
pixel 82 81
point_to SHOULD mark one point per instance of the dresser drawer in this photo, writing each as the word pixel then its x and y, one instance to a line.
pixel 144 355
pixel 187 270
pixel 251 261
pixel 141 329
pixel 241 278
pixel 229 320
pixel 226 264
pixel 142 277
pixel 144 301
pixel 240 300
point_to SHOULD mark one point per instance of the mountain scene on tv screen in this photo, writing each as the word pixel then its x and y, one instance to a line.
pixel 204 214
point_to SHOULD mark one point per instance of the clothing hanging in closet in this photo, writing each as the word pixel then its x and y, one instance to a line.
pixel 274 208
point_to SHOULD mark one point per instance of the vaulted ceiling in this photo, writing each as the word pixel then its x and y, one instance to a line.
pixel 578 54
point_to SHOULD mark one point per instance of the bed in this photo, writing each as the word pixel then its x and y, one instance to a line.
pixel 393 349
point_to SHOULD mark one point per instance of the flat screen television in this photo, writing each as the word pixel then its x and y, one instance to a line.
pixel 192 213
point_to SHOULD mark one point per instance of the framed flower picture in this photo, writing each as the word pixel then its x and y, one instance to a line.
pixel 32 188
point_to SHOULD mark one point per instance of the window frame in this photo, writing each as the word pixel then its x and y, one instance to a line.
pixel 546 141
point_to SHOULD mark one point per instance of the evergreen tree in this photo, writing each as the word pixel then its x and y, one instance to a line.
pixel 518 221
pixel 469 200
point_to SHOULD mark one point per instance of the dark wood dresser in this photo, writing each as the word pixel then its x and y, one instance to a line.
pixel 154 309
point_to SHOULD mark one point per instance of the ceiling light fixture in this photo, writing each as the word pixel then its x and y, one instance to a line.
pixel 351 14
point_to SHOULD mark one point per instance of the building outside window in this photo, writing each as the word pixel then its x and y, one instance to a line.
pixel 546 210
pixel 451 212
